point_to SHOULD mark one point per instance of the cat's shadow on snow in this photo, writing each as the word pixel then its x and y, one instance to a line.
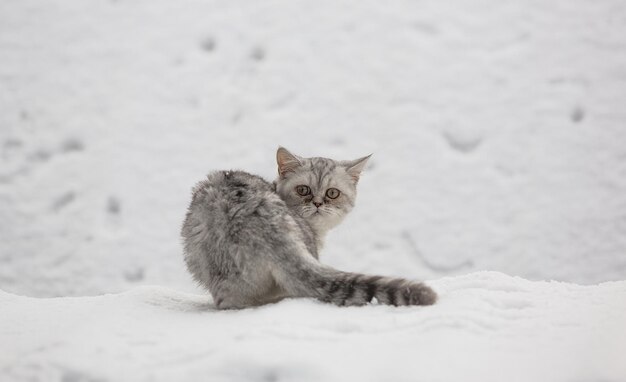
pixel 173 300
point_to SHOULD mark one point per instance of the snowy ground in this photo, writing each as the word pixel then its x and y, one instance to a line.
pixel 499 137
pixel 487 327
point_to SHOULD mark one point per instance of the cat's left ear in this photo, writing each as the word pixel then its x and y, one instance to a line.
pixel 287 162
pixel 354 168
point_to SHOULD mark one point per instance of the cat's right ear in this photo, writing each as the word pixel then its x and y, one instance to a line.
pixel 287 162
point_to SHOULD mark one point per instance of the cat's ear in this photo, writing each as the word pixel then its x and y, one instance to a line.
pixel 287 162
pixel 354 167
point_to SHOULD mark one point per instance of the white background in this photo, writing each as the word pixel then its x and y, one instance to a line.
pixel 498 131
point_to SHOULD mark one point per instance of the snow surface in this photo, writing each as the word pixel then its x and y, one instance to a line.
pixel 487 327
pixel 498 130
pixel 499 137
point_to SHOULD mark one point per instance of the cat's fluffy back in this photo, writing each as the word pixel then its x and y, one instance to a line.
pixel 227 180
pixel 236 218
pixel 218 203
pixel 226 196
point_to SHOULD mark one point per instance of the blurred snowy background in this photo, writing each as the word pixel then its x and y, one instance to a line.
pixel 498 131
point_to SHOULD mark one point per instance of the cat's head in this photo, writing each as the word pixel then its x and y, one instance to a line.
pixel 321 190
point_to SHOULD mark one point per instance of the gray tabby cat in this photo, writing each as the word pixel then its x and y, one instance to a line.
pixel 250 242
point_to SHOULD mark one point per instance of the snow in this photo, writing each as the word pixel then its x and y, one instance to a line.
pixel 499 141
pixel 487 327
pixel 497 130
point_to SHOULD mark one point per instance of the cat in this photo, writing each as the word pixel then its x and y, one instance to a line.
pixel 251 242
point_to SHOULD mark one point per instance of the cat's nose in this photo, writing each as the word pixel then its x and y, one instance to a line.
pixel 317 204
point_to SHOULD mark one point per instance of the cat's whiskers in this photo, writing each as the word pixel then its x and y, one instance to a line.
pixel 307 211
pixel 330 210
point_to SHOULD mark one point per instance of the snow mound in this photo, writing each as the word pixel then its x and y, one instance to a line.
pixel 487 326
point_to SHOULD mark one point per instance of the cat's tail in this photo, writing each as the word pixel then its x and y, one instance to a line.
pixel 313 279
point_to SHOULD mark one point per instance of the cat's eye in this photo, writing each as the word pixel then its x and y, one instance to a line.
pixel 333 193
pixel 303 190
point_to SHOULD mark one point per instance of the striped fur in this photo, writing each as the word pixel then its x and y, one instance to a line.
pixel 354 289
